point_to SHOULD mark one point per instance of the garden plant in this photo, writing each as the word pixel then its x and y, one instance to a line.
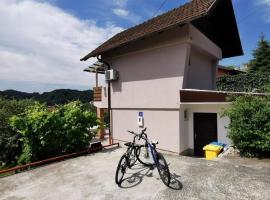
pixel 31 131
pixel 249 129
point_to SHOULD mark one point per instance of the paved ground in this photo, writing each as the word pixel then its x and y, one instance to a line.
pixel 92 177
pixel 255 163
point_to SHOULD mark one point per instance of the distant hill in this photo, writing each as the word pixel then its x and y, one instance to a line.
pixel 60 96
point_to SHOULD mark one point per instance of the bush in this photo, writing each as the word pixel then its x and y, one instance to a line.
pixel 250 82
pixel 249 129
pixel 10 144
pixel 52 132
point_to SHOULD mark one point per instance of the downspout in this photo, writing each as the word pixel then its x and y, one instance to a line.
pixel 109 96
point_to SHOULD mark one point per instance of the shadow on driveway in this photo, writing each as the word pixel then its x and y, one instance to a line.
pixel 133 179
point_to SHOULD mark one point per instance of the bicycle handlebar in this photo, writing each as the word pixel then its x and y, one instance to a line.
pixel 142 135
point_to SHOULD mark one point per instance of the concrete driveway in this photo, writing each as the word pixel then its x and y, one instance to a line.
pixel 92 177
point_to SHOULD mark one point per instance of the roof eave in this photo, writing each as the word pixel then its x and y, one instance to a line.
pixel 94 54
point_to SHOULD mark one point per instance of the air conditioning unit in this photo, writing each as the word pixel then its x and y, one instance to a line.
pixel 111 75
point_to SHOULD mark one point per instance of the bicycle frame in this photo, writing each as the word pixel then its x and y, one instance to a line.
pixel 152 151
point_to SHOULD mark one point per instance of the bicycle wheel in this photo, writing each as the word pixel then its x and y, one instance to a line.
pixel 163 169
pixel 121 169
pixel 144 156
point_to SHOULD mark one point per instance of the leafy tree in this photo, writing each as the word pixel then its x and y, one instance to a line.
pixel 249 129
pixel 261 61
pixel 51 132
pixel 10 144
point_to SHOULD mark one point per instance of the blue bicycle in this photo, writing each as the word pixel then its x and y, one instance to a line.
pixel 147 155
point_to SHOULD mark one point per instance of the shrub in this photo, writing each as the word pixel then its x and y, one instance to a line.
pixel 249 129
pixel 52 132
pixel 10 144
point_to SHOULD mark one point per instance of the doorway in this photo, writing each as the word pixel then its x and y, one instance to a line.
pixel 205 131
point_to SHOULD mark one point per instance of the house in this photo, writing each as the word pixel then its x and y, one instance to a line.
pixel 167 76
pixel 222 71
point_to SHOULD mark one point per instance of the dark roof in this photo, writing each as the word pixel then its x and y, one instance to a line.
pixel 189 12
pixel 210 96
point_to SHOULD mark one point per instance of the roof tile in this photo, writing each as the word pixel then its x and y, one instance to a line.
pixel 177 16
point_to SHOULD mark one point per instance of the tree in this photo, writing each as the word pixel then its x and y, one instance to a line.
pixel 261 61
pixel 10 144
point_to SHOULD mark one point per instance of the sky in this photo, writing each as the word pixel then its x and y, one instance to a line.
pixel 42 41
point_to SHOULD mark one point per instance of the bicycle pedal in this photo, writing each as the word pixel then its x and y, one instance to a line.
pixel 151 167
pixel 149 174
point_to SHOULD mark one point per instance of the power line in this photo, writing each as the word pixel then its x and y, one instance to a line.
pixel 161 6
pixel 253 11
pixel 247 16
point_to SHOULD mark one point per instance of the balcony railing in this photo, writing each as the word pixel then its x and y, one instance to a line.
pixel 97 93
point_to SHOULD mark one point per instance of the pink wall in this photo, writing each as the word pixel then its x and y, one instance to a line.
pixel 201 71
pixel 152 71
pixel 162 125
pixel 149 79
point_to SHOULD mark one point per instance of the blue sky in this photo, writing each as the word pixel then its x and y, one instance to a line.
pixel 41 41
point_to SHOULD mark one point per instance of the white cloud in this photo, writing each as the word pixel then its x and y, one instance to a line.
pixel 266 8
pixel 120 3
pixel 121 12
pixel 267 2
pixel 42 43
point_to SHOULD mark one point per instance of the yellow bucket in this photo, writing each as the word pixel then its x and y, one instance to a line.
pixel 211 151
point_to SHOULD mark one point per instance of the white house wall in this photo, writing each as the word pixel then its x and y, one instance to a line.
pixel 162 125
pixel 187 135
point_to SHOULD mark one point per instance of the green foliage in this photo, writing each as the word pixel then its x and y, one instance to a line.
pixel 55 97
pixel 232 67
pixel 249 129
pixel 261 61
pixel 52 132
pixel 258 77
pixel 250 82
pixel 10 144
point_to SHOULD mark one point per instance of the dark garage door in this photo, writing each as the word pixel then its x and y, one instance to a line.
pixel 205 131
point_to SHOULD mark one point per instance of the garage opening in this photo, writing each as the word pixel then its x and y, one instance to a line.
pixel 205 131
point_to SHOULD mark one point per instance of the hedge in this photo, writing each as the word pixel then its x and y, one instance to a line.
pixel 249 82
